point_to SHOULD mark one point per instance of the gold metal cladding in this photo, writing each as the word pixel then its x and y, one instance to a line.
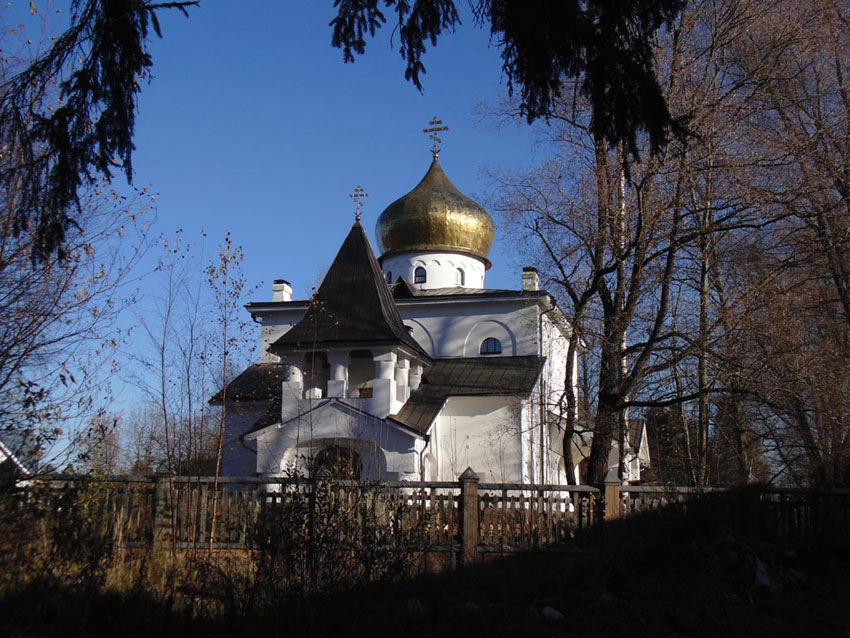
pixel 435 216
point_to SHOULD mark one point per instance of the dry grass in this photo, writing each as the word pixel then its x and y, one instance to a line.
pixel 67 541
pixel 61 575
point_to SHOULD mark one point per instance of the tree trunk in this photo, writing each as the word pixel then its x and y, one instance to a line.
pixel 570 381
pixel 608 404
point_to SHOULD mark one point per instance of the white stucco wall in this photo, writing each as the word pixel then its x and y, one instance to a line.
pixel 447 327
pixel 550 391
pixel 482 433
pixel 387 452
pixel 440 268
pixel 275 324
pixel 456 328
pixel 240 459
pixel 555 348
pixel 557 377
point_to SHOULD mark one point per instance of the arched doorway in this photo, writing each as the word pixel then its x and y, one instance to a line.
pixel 337 463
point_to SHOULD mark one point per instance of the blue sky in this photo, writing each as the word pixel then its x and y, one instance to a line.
pixel 254 124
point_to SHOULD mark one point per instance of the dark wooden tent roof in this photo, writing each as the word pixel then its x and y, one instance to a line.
pixel 353 307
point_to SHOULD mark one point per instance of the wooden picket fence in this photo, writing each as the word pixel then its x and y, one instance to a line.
pixel 763 512
pixel 515 517
pixel 464 517
pixel 428 508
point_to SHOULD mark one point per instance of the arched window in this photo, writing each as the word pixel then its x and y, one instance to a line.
pixel 419 275
pixel 389 276
pixel 460 278
pixel 491 345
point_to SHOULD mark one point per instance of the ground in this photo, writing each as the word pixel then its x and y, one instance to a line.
pixel 673 581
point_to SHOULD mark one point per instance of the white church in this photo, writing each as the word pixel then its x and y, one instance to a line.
pixel 405 366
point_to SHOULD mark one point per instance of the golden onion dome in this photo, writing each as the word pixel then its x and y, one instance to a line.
pixel 435 216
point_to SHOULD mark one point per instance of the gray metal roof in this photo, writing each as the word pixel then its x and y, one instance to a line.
pixel 270 417
pixel 19 452
pixel 474 376
pixel 403 290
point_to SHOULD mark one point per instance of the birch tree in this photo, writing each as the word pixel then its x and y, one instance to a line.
pixel 171 428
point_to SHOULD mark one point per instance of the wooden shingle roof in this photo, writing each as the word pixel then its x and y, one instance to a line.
pixel 353 307
pixel 257 382
pixel 467 376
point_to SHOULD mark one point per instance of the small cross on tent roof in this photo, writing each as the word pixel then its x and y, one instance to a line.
pixel 358 196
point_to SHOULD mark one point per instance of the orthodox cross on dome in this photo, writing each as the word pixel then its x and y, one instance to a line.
pixel 434 128
pixel 358 196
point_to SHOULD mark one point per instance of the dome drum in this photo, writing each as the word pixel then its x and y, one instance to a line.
pixel 441 269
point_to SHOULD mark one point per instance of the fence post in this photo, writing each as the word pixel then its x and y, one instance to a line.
pixel 469 516
pixel 162 515
pixel 612 496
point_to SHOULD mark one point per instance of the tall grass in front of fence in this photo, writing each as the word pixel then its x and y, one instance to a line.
pixel 101 536
pixel 76 539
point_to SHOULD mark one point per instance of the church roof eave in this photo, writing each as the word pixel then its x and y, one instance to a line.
pixel 408 293
pixel 257 382
pixel 421 432
pixel 263 426
pixel 467 377
pixel 438 248
pixel 372 344
pixel 265 306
